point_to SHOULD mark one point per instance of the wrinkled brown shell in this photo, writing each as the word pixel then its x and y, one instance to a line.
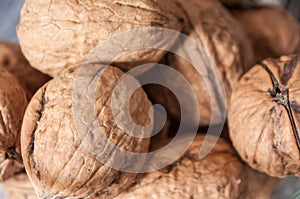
pixel 259 128
pixel 19 187
pixel 14 61
pixel 13 103
pixel 55 158
pixel 273 31
pixel 219 175
pixel 56 34
pixel 226 44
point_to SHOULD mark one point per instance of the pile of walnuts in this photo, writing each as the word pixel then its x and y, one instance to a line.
pixel 76 113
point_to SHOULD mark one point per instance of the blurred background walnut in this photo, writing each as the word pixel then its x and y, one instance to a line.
pixel 13 102
pixel 273 31
pixel 225 43
pixel 14 61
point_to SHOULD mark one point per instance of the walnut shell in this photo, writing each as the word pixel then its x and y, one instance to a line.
pixel 259 124
pixel 56 34
pixel 56 158
pixel 218 175
pixel 14 61
pixel 227 46
pixel 19 187
pixel 13 103
pixel 273 31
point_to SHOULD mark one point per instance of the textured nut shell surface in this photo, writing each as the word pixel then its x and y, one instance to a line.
pixel 19 187
pixel 259 128
pixel 56 160
pixel 14 61
pixel 273 31
pixel 219 175
pixel 56 34
pixel 227 46
pixel 13 103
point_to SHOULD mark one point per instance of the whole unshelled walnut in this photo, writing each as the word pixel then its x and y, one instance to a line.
pixel 14 61
pixel 219 175
pixel 58 158
pixel 56 34
pixel 217 46
pixel 273 31
pixel 264 117
pixel 13 103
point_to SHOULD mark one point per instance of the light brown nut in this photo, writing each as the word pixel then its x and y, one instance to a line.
pixel 259 117
pixel 225 43
pixel 13 102
pixel 14 61
pixel 56 34
pixel 19 187
pixel 56 156
pixel 273 31
pixel 219 175
pixel 9 166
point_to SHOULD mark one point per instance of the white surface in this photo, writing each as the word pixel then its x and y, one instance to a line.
pixel 2 196
pixel 9 17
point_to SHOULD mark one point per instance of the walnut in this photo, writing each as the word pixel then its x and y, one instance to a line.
pixel 14 61
pixel 264 117
pixel 56 34
pixel 13 102
pixel 273 31
pixel 226 45
pixel 219 175
pixel 19 187
pixel 56 157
